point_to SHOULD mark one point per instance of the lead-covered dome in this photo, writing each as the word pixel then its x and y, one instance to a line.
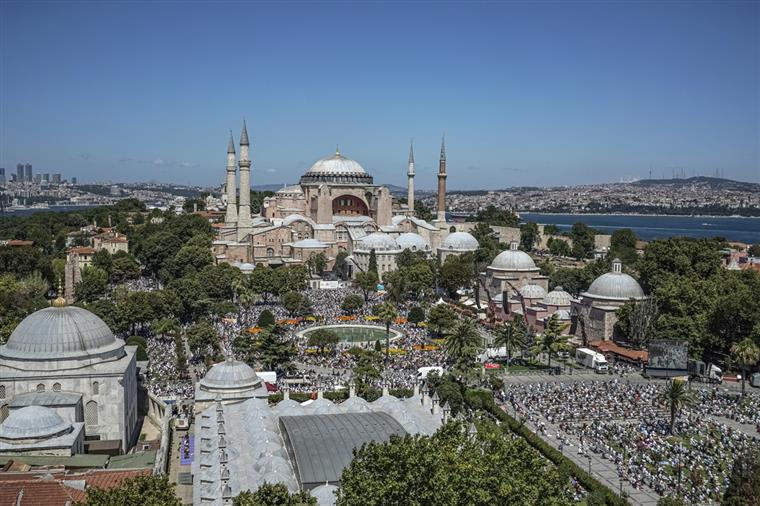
pixel 336 169
pixel 533 292
pixel 61 333
pixel 459 241
pixel 615 286
pixel 513 260
pixel 412 241
pixel 33 422
pixel 230 375
pixel 377 241
pixel 558 297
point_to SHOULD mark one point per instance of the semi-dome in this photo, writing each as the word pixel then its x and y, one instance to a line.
pixel 377 241
pixel 459 241
pixel 513 260
pixel 533 292
pixel 615 286
pixel 33 422
pixel 309 244
pixel 228 375
pixel 558 297
pixel 336 169
pixel 412 241
pixel 61 333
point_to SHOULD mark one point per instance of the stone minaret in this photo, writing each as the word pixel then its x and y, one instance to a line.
pixel 231 218
pixel 442 184
pixel 244 214
pixel 410 180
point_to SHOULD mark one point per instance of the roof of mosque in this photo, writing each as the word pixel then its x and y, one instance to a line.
pixel 412 241
pixel 460 241
pixel 230 374
pixel 336 169
pixel 32 422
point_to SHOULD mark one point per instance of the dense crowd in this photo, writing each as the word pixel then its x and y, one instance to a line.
pixel 628 424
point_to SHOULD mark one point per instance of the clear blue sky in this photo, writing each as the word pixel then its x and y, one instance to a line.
pixel 527 93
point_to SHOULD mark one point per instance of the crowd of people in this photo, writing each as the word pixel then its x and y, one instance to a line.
pixel 628 424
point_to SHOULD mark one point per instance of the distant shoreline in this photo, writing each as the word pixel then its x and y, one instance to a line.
pixel 733 216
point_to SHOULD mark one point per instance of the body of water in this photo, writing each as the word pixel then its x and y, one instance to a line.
pixel 357 334
pixel 55 209
pixel 649 227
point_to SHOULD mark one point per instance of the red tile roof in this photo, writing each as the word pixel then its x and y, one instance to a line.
pixel 39 493
pixel 85 250
pixel 19 242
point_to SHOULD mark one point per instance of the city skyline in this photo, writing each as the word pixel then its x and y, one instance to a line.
pixel 527 95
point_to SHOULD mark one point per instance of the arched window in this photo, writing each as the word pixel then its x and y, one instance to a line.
pixel 91 413
pixel 270 252
pixel 2 391
pixel 40 388
pixel 452 229
pixel 56 387
pixel 95 387
pixel 4 412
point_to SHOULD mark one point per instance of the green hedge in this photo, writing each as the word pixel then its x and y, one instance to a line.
pixel 564 465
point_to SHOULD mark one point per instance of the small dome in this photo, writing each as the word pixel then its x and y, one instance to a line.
pixel 309 244
pixel 377 241
pixel 513 260
pixel 325 494
pixel 459 241
pixel 33 422
pixel 615 285
pixel 230 375
pixel 563 314
pixel 412 241
pixel 336 169
pixel 558 297
pixel 532 292
pixel 61 333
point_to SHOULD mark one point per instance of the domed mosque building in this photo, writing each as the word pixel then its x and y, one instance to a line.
pixel 66 360
pixel 595 312
pixel 334 206
pixel 228 382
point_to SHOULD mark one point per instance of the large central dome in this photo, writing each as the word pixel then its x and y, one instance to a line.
pixel 336 169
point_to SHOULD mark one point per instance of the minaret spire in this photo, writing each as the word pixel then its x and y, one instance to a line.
pixel 441 215
pixel 244 211
pixel 410 179
pixel 231 216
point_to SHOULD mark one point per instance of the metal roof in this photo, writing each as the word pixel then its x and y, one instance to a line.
pixel 46 399
pixel 322 445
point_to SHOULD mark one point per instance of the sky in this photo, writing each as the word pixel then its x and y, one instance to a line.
pixel 527 93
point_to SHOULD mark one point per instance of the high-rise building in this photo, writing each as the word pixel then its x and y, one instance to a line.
pixel 73 180
pixel 37 178
pixel 28 173
pixel 46 177
pixel 2 175
pixel 19 172
pixel 57 178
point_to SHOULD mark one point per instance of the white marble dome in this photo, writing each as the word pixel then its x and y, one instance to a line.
pixel 615 286
pixel 459 241
pixel 513 260
pixel 532 292
pixel 33 422
pixel 558 297
pixel 412 241
pixel 230 374
pixel 61 333
pixel 377 241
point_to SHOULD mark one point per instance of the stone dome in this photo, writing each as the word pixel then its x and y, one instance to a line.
pixel 325 494
pixel 336 169
pixel 615 286
pixel 33 422
pixel 459 241
pixel 558 297
pixel 377 241
pixel 230 375
pixel 532 292
pixel 412 241
pixel 513 260
pixel 309 244
pixel 61 333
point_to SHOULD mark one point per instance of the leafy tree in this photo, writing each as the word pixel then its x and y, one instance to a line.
pixel 416 315
pixel 372 262
pixel 18 298
pixel 202 336
pixel 294 278
pixel 419 280
pixel 292 301
pixel 511 336
pixel 636 320
pixel 670 501
pixel 387 314
pixel 340 267
pixel 220 281
pixel 139 341
pixel 754 250
pixel 322 338
pixel 746 355
pixel 102 260
pixel 496 216
pixel 274 495
pixel 123 267
pixel 441 317
pixel 551 229
pixel 423 212
pixel 266 319
pixel 463 343
pixel 189 259
pixel 267 348
pixel 408 258
pixel 559 247
pixel 367 369
pixel 367 282
pixel 157 249
pixel 744 482
pixel 316 263
pixel 623 245
pixel 583 240
pixel 552 340
pixel 529 236
pixel 93 285
pixel 676 396
pixel 139 491
pixel 352 303
pixel 192 205
pixel 263 281
pixel 457 272
pixel 451 467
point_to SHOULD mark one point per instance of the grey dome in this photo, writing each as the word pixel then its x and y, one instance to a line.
pixel 309 244
pixel 513 260
pixel 532 292
pixel 336 169
pixel 377 241
pixel 61 333
pixel 615 285
pixel 412 241
pixel 230 375
pixel 33 422
pixel 325 494
pixel 460 241
pixel 558 297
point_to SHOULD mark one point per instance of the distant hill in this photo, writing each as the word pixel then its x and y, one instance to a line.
pixel 714 183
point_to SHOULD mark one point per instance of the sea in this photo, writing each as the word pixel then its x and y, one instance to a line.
pixel 648 227
pixel 33 210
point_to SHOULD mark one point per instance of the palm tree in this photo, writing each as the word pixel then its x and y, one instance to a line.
pixel 552 340
pixel 510 336
pixel 464 341
pixel 746 354
pixel 676 396
pixel 388 314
